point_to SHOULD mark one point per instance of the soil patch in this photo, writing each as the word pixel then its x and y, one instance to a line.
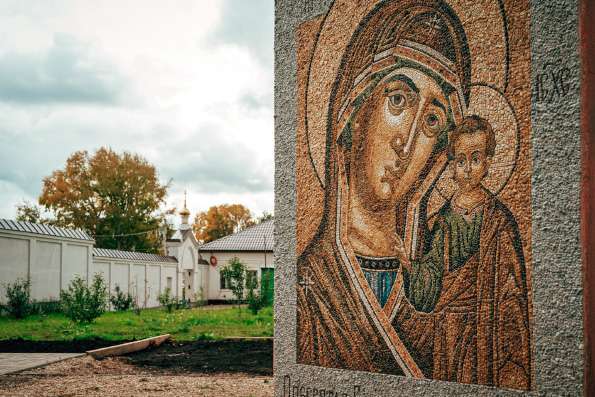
pixel 246 356
pixel 74 346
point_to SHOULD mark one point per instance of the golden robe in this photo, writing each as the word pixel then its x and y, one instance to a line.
pixel 478 331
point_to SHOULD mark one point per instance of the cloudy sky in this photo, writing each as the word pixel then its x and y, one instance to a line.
pixel 185 83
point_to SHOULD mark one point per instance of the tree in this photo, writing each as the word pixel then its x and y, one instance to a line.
pixel 115 197
pixel 235 272
pixel 29 212
pixel 220 221
pixel 266 216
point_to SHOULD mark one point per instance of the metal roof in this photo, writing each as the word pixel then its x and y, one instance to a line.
pixel 43 230
pixel 254 238
pixel 131 255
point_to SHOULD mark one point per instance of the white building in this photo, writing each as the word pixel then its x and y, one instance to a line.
pixel 252 246
pixel 50 257
pixel 192 275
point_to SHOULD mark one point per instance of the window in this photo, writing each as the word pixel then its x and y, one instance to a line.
pixel 225 282
pixel 251 278
pixel 169 283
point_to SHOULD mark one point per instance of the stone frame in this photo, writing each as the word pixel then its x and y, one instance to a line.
pixel 556 242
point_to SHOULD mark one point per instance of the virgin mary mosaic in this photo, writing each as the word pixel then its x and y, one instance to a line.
pixel 413 189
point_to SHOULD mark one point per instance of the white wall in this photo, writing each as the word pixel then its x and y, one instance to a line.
pixel 52 262
pixel 120 272
pixel 76 261
pixel 102 268
pixel 14 261
pixel 126 273
pixel 252 260
pixel 49 262
pixel 153 285
pixel 172 273
pixel 45 270
pixel 137 283
pixel 201 278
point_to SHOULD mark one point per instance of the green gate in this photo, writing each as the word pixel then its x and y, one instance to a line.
pixel 267 284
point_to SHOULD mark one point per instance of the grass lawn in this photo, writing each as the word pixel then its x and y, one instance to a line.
pixel 183 325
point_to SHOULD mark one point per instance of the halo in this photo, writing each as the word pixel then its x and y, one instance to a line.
pixel 490 104
pixel 487 37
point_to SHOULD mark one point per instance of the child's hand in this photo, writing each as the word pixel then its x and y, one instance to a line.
pixel 402 253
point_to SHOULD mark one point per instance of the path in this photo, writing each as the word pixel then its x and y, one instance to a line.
pixel 15 362
pixel 84 376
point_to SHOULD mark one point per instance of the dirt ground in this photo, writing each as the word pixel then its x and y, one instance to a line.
pixel 223 368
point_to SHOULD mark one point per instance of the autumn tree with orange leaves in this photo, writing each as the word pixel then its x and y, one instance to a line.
pixel 220 221
pixel 114 197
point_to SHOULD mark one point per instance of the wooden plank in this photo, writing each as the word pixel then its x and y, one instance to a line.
pixel 129 347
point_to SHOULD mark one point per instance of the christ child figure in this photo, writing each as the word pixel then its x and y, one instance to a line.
pixel 465 316
pixel 455 235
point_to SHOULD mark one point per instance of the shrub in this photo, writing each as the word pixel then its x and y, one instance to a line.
pixel 200 298
pixel 255 301
pixel 167 301
pixel 18 298
pixel 121 301
pixel 136 306
pixel 235 272
pixel 46 307
pixel 205 336
pixel 82 303
pixel 182 303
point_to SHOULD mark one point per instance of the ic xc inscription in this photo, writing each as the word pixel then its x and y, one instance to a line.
pixel 308 6
pixel 553 83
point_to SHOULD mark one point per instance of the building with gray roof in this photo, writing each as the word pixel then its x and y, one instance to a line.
pixel 255 238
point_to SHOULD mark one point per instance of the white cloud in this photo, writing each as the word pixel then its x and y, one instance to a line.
pixel 200 109
pixel 13 194
pixel 66 72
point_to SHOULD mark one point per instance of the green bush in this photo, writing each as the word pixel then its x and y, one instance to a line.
pixel 121 301
pixel 136 307
pixel 199 298
pixel 203 336
pixel 46 307
pixel 235 272
pixel 82 303
pixel 18 298
pixel 256 301
pixel 167 300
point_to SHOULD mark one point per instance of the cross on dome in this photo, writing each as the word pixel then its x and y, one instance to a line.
pixel 185 213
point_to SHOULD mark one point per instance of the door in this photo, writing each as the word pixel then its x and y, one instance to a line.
pixel 188 292
pixel 267 284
